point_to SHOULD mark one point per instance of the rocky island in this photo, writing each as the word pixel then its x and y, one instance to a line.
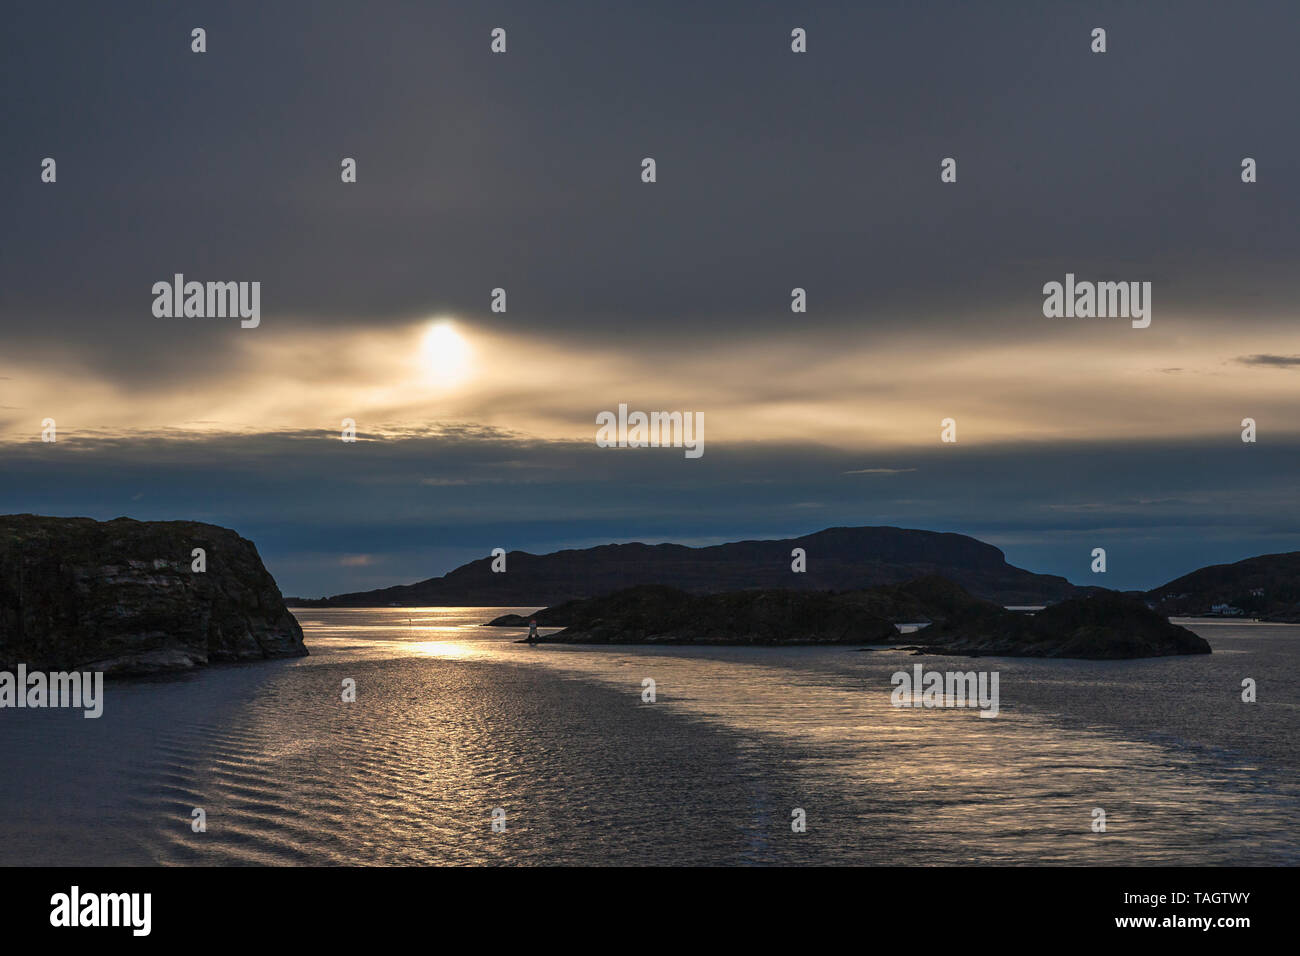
pixel 657 614
pixel 124 596
pixel 1103 625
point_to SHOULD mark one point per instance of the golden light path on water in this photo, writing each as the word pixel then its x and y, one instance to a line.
pixel 451 719
pixel 1022 785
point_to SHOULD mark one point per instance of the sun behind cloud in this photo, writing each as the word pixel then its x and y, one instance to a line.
pixel 447 357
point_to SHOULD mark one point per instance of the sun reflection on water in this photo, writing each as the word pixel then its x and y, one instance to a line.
pixel 447 650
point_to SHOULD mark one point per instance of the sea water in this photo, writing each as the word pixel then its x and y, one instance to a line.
pixel 455 728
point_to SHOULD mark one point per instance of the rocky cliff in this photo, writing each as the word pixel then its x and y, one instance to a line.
pixel 122 596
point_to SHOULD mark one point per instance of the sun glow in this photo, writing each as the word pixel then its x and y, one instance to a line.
pixel 446 356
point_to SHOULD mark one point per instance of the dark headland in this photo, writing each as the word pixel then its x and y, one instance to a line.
pixel 1266 588
pixel 1098 626
pixel 122 597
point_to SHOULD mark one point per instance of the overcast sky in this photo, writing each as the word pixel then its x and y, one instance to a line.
pixel 775 170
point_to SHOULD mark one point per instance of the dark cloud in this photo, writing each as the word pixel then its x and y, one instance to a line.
pixel 522 170
pixel 1276 361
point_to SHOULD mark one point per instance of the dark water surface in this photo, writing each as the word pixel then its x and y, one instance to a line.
pixel 453 720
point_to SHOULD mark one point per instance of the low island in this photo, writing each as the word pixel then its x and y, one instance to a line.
pixel 1101 625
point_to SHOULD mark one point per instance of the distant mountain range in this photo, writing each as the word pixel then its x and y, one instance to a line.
pixel 837 559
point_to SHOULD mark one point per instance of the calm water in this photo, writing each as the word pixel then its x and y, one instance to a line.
pixel 453 720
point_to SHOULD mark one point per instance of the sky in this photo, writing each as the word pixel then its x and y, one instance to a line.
pixel 774 170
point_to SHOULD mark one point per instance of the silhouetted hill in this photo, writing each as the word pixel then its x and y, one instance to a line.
pixel 1266 587
pixel 837 559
